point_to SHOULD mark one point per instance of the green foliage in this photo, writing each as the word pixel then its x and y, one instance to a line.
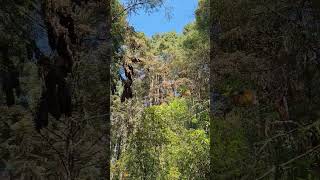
pixel 163 147
pixel 203 16
pixel 229 148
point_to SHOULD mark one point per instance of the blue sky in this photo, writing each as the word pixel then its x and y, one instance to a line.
pixel 181 11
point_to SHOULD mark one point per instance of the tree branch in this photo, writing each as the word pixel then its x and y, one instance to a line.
pixel 60 155
pixel 289 162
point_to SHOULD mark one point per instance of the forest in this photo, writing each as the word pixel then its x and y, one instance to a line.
pixel 160 104
pixel 268 51
pixel 84 95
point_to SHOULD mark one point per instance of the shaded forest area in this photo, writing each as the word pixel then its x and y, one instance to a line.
pixel 272 49
pixel 55 116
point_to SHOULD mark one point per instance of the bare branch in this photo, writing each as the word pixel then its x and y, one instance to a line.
pixel 289 162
